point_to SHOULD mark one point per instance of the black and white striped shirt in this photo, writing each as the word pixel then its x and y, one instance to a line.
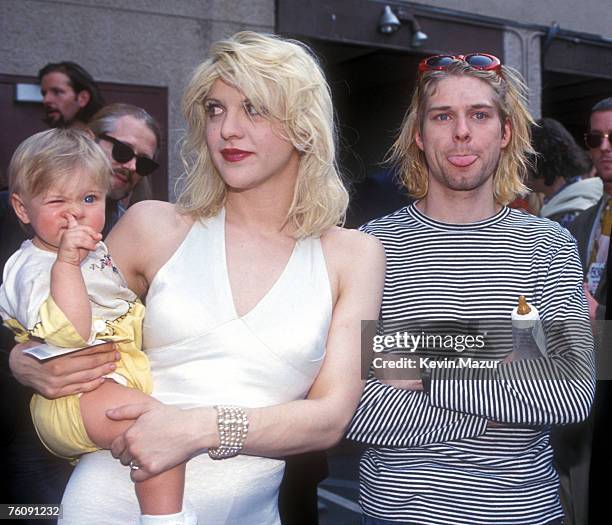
pixel 432 458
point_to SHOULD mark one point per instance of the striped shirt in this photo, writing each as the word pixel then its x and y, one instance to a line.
pixel 432 458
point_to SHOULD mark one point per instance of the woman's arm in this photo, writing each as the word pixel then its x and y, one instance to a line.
pixel 144 239
pixel 74 373
pixel 320 421
pixel 165 436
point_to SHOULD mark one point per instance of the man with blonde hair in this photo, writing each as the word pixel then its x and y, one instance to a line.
pixel 462 444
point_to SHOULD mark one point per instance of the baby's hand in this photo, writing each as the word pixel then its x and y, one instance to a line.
pixel 76 242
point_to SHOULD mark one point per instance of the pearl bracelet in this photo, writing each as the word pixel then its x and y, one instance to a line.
pixel 233 425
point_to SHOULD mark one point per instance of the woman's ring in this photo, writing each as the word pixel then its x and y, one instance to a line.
pixel 134 466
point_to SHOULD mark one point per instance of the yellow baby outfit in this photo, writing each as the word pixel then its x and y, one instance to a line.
pixel 29 311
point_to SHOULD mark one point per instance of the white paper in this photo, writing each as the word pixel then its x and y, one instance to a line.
pixel 46 351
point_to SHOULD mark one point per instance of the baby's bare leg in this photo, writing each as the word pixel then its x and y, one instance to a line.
pixel 161 494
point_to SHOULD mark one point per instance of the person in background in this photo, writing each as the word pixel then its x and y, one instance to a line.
pixel 558 172
pixel 70 95
pixel 131 139
pixel 592 228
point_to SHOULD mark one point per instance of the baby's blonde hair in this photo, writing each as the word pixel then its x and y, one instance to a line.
pixel 283 81
pixel 51 157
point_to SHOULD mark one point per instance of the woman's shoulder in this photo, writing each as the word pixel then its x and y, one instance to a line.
pixel 145 238
pixel 355 260
pixel 149 226
pixel 151 220
pixel 352 248
pixel 347 239
pixel 152 214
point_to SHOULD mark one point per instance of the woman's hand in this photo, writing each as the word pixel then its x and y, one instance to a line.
pixel 74 373
pixel 162 436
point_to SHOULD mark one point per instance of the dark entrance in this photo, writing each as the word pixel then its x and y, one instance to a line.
pixel 577 73
pixel 372 77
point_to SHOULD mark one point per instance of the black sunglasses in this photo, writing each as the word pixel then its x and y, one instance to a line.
pixel 595 139
pixel 123 153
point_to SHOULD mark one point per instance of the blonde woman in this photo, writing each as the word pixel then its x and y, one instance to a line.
pixel 254 296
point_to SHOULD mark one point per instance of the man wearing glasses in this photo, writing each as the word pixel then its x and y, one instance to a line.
pixel 461 444
pixel 130 137
pixel 592 227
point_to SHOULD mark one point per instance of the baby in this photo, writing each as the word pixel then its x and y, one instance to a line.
pixel 62 287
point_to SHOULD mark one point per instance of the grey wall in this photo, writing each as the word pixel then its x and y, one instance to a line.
pixel 146 42
pixel 159 42
pixel 587 16
pixel 522 46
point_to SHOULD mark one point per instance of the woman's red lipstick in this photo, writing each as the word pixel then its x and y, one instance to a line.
pixel 235 155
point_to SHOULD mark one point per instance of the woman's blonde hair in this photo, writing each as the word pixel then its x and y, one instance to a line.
pixel 510 98
pixel 283 81
pixel 51 157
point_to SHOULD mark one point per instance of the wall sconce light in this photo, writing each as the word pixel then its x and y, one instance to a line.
pixel 390 22
pixel 551 34
pixel 418 36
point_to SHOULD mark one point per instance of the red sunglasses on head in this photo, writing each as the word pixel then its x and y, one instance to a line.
pixel 482 61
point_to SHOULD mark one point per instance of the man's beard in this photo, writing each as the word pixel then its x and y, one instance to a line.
pixel 59 122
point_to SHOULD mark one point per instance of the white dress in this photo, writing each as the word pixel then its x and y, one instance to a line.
pixel 202 353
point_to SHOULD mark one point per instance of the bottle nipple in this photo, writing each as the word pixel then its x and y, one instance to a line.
pixel 522 308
